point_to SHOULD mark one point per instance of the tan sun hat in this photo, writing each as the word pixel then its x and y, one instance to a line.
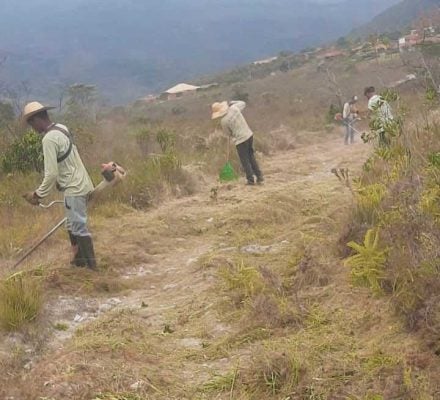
pixel 33 108
pixel 219 109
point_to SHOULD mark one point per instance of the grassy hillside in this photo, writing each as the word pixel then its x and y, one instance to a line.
pixel 309 287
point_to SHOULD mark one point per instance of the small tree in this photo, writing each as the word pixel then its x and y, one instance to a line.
pixel 81 101
pixel 7 116
pixel 25 154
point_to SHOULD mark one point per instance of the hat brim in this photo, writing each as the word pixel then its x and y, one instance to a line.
pixel 26 117
pixel 219 114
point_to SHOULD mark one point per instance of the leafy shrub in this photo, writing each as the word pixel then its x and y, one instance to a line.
pixel 25 154
pixel 20 301
pixel 166 140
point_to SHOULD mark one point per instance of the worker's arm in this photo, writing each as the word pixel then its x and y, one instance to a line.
pixel 241 105
pixel 50 167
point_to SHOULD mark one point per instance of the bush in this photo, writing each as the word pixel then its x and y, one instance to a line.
pixel 145 140
pixel 7 114
pixel 20 301
pixel 25 154
pixel 333 110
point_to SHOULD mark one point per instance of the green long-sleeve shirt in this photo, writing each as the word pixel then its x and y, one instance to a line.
pixel 70 174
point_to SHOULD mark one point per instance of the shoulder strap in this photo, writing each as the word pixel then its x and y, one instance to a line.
pixel 69 136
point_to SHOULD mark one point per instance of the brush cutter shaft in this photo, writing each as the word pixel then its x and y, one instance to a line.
pixel 40 242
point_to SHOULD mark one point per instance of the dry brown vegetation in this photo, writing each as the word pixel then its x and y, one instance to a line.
pixel 244 295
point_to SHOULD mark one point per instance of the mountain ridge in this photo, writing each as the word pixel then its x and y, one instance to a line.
pixel 397 17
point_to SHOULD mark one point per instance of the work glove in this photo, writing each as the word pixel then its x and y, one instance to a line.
pixel 32 198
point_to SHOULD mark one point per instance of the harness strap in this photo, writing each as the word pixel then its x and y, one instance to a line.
pixel 69 136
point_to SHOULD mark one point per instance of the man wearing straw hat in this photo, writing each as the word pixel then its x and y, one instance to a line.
pixel 64 169
pixel 234 125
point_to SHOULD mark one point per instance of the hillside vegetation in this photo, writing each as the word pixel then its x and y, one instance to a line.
pixel 313 286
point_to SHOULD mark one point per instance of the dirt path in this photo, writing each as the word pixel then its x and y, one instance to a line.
pixel 157 256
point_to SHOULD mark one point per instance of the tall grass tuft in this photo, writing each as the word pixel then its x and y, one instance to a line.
pixel 20 301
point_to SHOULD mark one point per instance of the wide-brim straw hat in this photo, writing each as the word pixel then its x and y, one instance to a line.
pixel 33 108
pixel 219 109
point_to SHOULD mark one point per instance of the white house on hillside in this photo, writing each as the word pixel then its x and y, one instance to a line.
pixel 178 91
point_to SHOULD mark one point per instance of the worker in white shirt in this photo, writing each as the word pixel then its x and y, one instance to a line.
pixel 350 116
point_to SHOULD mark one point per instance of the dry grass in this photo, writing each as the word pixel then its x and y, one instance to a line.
pixel 21 300
pixel 286 322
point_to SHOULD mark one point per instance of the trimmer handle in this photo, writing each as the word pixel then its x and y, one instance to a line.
pixel 51 204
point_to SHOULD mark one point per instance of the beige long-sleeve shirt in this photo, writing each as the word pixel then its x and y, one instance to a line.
pixel 234 124
pixel 70 174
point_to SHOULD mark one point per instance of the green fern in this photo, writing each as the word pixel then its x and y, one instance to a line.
pixel 367 266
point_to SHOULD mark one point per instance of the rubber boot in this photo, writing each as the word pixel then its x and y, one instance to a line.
pixel 77 260
pixel 87 251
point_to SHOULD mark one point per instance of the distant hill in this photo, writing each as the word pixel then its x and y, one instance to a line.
pixel 397 17
pixel 132 47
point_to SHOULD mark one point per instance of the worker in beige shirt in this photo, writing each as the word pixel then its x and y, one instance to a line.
pixel 234 124
pixel 64 169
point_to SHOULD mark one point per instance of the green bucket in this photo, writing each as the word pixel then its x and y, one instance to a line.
pixel 227 173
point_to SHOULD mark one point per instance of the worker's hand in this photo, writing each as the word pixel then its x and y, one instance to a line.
pixel 32 198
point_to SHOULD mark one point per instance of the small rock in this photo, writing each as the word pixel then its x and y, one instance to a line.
pixel 191 343
pixel 210 220
pixel 256 249
pixel 105 307
pixel 115 301
pixel 170 286
pixel 28 366
pixel 136 385
pixel 78 318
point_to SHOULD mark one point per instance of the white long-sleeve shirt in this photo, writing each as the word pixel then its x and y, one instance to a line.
pixel 235 125
pixel 70 174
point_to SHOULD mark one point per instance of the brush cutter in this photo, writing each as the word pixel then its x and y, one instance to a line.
pixel 112 173
pixel 227 173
